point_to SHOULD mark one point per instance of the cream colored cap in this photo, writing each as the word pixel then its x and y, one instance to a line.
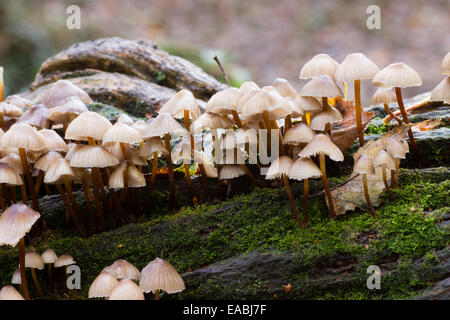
pixel 16 277
pixel 231 171
pixel 10 293
pixel 284 88
pixel 88 124
pixel 279 167
pixel 322 87
pixel 36 116
pixel 181 101
pixel 210 121
pixel 320 120
pixel 161 275
pixel 364 165
pixel 59 169
pixel 163 124
pixel 320 64
pixel 49 256
pixel 124 118
pixel 53 141
pixel 308 104
pixel 93 156
pixel 299 133
pixel 151 146
pixel 34 260
pixel 304 168
pixel 22 135
pixel 383 96
pixel 384 158
pixel 397 74
pixel 224 101
pixel 64 260
pixel 61 90
pixel 10 110
pixel 442 91
pixel 103 285
pixel 15 222
pixel 121 132
pixel 127 290
pixel 322 143
pixel 18 101
pixel 47 160
pixel 445 66
pixel 122 269
pixel 9 176
pixel 356 66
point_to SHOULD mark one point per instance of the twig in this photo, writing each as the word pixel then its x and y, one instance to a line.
pixel 335 187
pixel 221 69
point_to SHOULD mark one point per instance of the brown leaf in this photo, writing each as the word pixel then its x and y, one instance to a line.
pixel 287 288
pixel 429 124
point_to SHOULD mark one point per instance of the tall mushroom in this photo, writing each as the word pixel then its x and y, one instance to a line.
pixel 364 166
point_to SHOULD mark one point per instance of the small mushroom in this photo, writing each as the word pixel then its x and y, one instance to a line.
pixel 103 285
pixel 364 166
pixel 385 96
pixel 49 256
pixel 122 269
pixel 384 161
pixel 397 148
pixel 10 293
pixel 126 290
pixel 60 91
pixel 34 261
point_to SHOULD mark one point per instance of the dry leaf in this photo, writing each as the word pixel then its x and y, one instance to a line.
pixel 427 125
pixel 287 288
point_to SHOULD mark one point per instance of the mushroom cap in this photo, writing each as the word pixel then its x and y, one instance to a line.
pixel 88 124
pixel 22 135
pixel 397 148
pixel 224 101
pixel 122 269
pixel 15 222
pixel 141 126
pixel 61 90
pixel 124 118
pixel 364 165
pixel 36 116
pixel 161 275
pixel 210 169
pixel 10 110
pixel 442 91
pixel 49 256
pixel 53 141
pixel 59 169
pixel 65 113
pixel 47 160
pixel 397 74
pixel 152 145
pixel 134 156
pixel 210 121
pixel 103 285
pixel 274 104
pixel 304 168
pixel 117 177
pixel 284 88
pixel 321 119
pixel 134 177
pixel 64 260
pixel 16 277
pixel 121 132
pixel 13 160
pixel 356 66
pixel 384 158
pixel 299 133
pixel 93 157
pixel 321 143
pixel 163 124
pixel 383 96
pixel 10 293
pixel 308 104
pixel 72 148
pixel 322 87
pixel 320 64
pixel 445 66
pixel 231 171
pixel 247 86
pixel 181 101
pixel 34 260
pixel 9 176
pixel 246 135
pixel 18 101
pixel 126 290
pixel 279 167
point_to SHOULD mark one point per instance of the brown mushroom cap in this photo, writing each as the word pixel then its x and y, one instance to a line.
pixel 34 260
pixel 161 275
pixel 320 64
pixel 15 222
pixel 364 165
pixel 93 157
pixel 61 90
pixel 445 66
pixel 10 293
pixel 322 143
pixel 383 96
pixel 282 165
pixel 397 74
pixel 384 158
pixel 103 285
pixel 64 260
pixel 181 101
pixel 126 290
pixel 299 133
pixel 284 88
pixel 22 135
pixel 356 66
pixel 304 168
pixel 442 91
pixel 49 256
pixel 122 269
pixel 322 87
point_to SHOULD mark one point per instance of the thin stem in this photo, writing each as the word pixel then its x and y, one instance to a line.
pixel 305 201
pixel 397 169
pixel 29 179
pixel 367 195
pixel 69 208
pixel 36 283
pixel 68 186
pixel 86 190
pixel 344 83
pixel 389 112
pixel 236 118
pixel 358 112
pixel 326 187
pixel 23 276
pixel 13 194
pixel 39 179
pixel 152 177
pixel 216 59
pixel 386 185
pixel 2 197
pixel 23 190
pixel 393 179
pixel 157 294
pixel 292 202
pixel 50 275
pixel 171 173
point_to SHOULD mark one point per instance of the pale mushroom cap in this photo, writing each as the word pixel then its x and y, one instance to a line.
pixel 383 96
pixel 248 86
pixel 163 124
pixel 210 121
pixel 47 160
pixel 49 256
pixel 161 275
pixel 364 165
pixel 10 293
pixel 299 133
pixel 22 135
pixel 36 116
pixel 224 101
pixel 73 147
pixel 88 124
pixel 356 66
pixel 231 171
pixel 442 91
pixel 284 88
pixel 64 260
pixel 127 290
pixel 308 104
pixel 68 111
pixel 19 101
pixel 320 64
pixel 445 66
pixel 228 141
pixel 58 170
pixel 322 87
pixel 10 110
pixel 152 145
pixel 320 120
pixel 304 168
pixel 384 158
pixel 134 156
pixel 121 132
pixel 210 169
pixel 322 143
pixel 53 140
pixel 16 277
pixel 282 165
pixel 396 149
pixel 61 90
pixel 34 260
pixel 296 109
pixel 181 101
pixel 124 118
pixel 9 176
pixel 397 74
pixel 402 142
pixel 13 160
pixel 117 177
pixel 93 156
pixel 141 126
pixel 15 222
pixel 135 178
pixel 122 269
pixel 103 285
pixel 274 104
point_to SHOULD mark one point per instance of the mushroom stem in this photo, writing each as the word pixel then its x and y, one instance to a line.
pixel 68 186
pixel 23 190
pixel 386 185
pixel 153 175
pixel 86 191
pixel 397 169
pixel 266 121
pixel 13 194
pixel 69 208
pixel 292 202
pixel 36 283
pixel 26 173
pixel 393 179
pixel 157 294
pixel 50 275
pixel 23 276
pixel 39 179
pixel 170 168
pixel 187 124
pixel 305 200
pixel 236 119
pixel 326 187
pixel 358 112
pixel 367 195
pixel 398 93
pixel 389 112
pixel 2 197
pixel 250 175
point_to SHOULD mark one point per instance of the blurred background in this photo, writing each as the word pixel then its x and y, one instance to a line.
pixel 258 40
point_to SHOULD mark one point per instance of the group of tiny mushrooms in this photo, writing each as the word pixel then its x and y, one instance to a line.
pixel 58 142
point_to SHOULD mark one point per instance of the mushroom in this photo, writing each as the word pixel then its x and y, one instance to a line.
pixel 18 101
pixel 321 144
pixel 400 75
pixel 280 168
pixel 384 161
pixel 9 110
pixel 10 293
pixel 225 103
pixel 286 90
pixel 49 257
pixel 126 290
pixel 397 149
pixel 445 66
pixel 8 177
pixel 122 269
pixel 37 117
pixel 364 166
pixel 124 118
pixel 321 64
pixel 385 96
pixel 64 260
pixel 103 285
pixel 442 91
pixel 160 275
pixel 60 91
pixel 356 67
pixel 309 105
pixel 13 160
pixel 67 112
pixel 53 141
pixel 34 261
pixel 15 223
pixel 43 164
